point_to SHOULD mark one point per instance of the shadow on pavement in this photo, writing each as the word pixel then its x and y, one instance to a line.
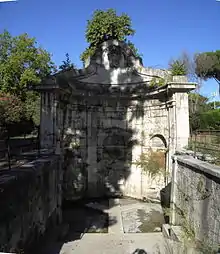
pixel 78 218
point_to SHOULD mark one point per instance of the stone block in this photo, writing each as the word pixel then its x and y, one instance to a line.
pixel 26 204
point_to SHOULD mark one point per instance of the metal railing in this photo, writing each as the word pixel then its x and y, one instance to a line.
pixel 12 149
pixel 206 142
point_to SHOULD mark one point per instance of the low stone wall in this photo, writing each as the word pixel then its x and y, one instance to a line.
pixel 195 199
pixel 18 145
pixel 207 157
pixel 30 200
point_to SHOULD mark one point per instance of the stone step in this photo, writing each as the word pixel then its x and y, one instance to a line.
pixel 115 220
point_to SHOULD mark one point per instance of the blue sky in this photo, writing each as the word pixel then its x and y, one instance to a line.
pixel 164 29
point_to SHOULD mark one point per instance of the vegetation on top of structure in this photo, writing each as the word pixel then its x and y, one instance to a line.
pixel 178 68
pixel 157 82
pixel 134 49
pixel 106 25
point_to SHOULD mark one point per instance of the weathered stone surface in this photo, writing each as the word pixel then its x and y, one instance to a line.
pixel 30 200
pixel 195 196
pixel 142 217
pixel 110 115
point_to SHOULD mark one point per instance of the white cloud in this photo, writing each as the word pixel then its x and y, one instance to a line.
pixel 2 1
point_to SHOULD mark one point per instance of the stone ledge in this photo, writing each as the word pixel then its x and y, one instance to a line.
pixel 199 165
pixel 172 232
pixel 198 155
pixel 174 240
pixel 166 230
pixel 30 201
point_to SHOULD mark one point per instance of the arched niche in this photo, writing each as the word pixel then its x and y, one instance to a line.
pixel 158 142
pixel 158 146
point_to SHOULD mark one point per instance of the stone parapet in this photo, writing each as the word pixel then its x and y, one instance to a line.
pixel 195 199
pixel 30 201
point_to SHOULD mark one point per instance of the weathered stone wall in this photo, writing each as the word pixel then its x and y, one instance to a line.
pixel 110 113
pixel 107 135
pixel 106 138
pixel 147 127
pixel 30 199
pixel 49 120
pixel 195 198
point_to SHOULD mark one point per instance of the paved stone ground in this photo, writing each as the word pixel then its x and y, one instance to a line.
pixel 140 217
pixel 124 216
pixel 151 243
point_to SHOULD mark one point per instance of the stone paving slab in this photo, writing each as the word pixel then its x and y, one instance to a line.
pixel 116 241
pixel 142 218
pixel 117 244
pixel 129 202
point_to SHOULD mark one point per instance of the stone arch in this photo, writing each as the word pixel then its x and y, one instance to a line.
pixel 158 141
pixel 158 146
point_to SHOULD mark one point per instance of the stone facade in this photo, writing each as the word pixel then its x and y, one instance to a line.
pixel 30 199
pixel 108 114
pixel 195 196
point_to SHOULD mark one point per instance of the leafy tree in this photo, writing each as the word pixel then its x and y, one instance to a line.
pixel 213 104
pixel 106 25
pixel 202 114
pixel 189 63
pixel 21 63
pixel 211 119
pixel 11 109
pixel 197 105
pixel 67 64
pixel 198 102
pixel 135 50
pixel 32 108
pixel 208 65
pixel 11 112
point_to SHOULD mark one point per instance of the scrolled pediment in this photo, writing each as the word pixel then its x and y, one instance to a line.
pixel 114 54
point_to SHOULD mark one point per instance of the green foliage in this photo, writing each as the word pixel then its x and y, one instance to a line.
pixel 212 105
pixel 208 65
pixel 107 25
pixel 157 82
pixel 178 68
pixel 103 26
pixel 21 63
pixel 87 53
pixel 195 97
pixel 197 105
pixel 202 114
pixel 134 49
pixel 152 163
pixel 11 109
pixel 210 119
pixel 32 108
pixel 67 64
